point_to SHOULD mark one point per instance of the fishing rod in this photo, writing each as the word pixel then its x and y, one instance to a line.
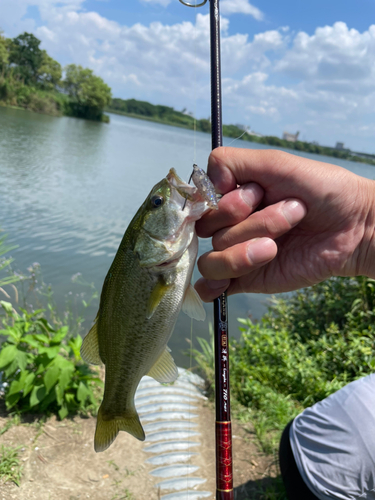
pixel 223 427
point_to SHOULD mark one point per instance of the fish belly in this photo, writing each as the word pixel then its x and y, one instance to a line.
pixel 130 343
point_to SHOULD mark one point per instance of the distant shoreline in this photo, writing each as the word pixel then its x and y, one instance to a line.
pixel 169 116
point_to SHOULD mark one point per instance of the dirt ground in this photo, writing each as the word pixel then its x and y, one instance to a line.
pixel 59 462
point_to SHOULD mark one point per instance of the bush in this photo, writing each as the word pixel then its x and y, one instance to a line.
pixel 309 344
pixel 42 368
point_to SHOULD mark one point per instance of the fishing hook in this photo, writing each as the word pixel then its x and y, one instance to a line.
pixel 190 177
pixel 188 4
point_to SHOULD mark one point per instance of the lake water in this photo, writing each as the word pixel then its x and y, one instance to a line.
pixel 69 188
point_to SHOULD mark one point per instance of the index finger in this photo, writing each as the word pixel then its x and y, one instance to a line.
pixel 277 172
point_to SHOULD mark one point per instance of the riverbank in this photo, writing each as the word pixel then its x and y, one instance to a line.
pixel 32 455
pixel 52 103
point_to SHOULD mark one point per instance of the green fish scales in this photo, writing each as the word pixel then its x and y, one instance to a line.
pixel 147 285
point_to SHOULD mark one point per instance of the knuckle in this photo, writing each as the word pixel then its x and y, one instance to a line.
pixel 232 264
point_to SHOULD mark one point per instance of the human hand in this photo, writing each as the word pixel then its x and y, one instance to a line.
pixel 313 220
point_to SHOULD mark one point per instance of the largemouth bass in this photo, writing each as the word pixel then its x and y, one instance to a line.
pixel 146 286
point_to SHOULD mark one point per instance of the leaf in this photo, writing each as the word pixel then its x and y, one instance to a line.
pixel 50 398
pixel 29 339
pixel 7 306
pixel 44 323
pixel 65 378
pixel 62 362
pixel 28 383
pixel 82 393
pixel 75 345
pixel 51 376
pixel 12 400
pixel 42 338
pixel 42 362
pixel 59 394
pixel 51 352
pixel 11 369
pixel 7 355
pixel 59 335
pixel 22 359
pixel 63 412
pixel 18 384
pixel 69 398
pixel 14 334
pixel 37 395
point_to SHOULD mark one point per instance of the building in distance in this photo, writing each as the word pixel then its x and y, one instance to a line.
pixel 287 136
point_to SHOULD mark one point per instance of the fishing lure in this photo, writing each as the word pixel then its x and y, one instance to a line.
pixel 205 187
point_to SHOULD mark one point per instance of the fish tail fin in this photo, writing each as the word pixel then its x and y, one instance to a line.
pixel 107 430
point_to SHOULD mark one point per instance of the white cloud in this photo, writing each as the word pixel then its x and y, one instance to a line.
pixel 164 3
pixel 228 7
pixel 334 58
pixel 320 83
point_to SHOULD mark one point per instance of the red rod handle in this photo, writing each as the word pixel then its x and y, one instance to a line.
pixel 224 474
pixel 224 466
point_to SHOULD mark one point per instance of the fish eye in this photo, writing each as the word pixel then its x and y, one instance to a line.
pixel 157 201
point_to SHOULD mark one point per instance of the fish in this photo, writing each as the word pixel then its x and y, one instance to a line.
pixel 147 285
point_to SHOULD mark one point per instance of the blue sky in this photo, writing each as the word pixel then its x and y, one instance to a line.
pixel 292 65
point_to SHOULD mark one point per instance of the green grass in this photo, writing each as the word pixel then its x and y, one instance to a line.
pixel 10 467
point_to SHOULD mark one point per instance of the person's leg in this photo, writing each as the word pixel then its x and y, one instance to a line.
pixel 296 488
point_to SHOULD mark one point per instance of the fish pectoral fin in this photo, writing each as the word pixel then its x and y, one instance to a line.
pixel 192 304
pixel 90 347
pixel 107 430
pixel 165 369
pixel 156 297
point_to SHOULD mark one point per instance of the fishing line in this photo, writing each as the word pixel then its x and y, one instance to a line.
pixel 190 370
pixel 195 90
pixel 237 138
pixel 195 54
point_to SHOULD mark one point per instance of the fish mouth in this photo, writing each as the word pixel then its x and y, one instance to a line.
pixel 171 262
pixel 183 188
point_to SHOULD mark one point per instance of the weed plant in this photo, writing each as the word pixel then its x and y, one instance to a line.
pixel 309 344
pixel 41 370
pixel 10 466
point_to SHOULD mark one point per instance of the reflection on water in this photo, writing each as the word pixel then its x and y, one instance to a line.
pixel 70 187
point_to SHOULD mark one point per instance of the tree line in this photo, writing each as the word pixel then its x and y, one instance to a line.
pixel 169 116
pixel 30 78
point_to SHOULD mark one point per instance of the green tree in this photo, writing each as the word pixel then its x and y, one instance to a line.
pixel 26 55
pixel 4 54
pixel 89 94
pixel 49 72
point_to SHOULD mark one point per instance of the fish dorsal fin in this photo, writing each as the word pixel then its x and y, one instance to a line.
pixel 165 369
pixel 192 304
pixel 90 347
pixel 156 297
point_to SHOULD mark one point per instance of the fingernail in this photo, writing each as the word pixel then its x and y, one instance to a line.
pixel 260 250
pixel 216 284
pixel 294 211
pixel 251 193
